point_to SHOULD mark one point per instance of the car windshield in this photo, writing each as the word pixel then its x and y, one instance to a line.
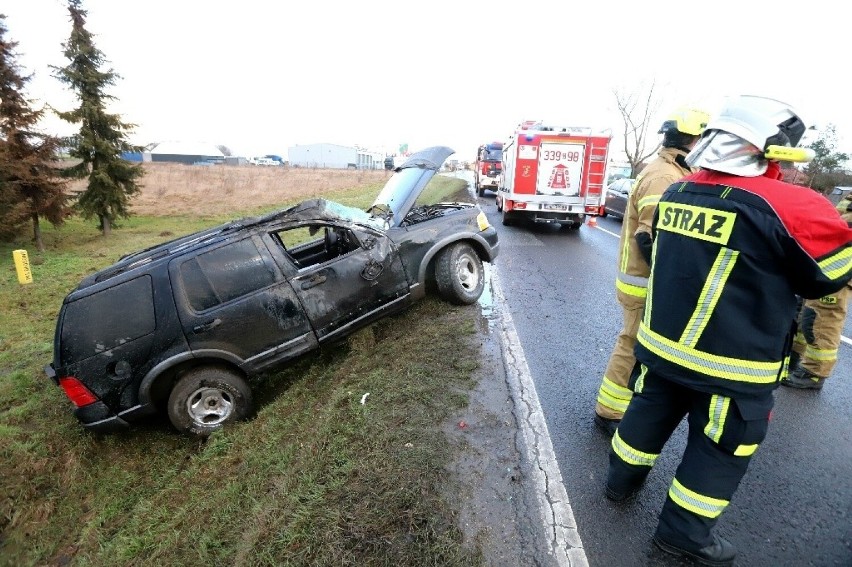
pixel 398 188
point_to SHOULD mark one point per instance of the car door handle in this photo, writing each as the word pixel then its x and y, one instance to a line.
pixel 209 325
pixel 314 280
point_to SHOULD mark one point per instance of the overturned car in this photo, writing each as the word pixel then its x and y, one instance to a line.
pixel 183 324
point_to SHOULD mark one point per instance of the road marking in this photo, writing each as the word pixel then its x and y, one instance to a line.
pixel 846 340
pixel 608 232
pixel 556 514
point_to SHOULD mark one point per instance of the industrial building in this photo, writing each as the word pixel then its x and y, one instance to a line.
pixel 186 152
pixel 333 156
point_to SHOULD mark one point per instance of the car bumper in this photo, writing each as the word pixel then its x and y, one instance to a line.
pixel 488 182
pixel 97 417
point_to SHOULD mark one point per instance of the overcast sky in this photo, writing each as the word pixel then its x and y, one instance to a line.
pixel 260 76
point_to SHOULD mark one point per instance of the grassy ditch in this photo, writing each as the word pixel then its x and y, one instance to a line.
pixel 315 478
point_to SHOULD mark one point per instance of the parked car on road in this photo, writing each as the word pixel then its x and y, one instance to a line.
pixel 615 201
pixel 184 324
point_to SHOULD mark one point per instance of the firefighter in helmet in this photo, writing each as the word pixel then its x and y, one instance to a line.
pixel 821 323
pixel 680 132
pixel 733 246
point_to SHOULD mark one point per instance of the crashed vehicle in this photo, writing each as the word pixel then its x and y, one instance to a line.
pixel 181 326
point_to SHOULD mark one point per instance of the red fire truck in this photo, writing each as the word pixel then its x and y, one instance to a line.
pixel 488 167
pixel 553 174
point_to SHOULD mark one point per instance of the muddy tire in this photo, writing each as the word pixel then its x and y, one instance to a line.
pixel 207 398
pixel 459 274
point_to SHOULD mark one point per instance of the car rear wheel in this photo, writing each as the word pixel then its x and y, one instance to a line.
pixel 459 274
pixel 207 398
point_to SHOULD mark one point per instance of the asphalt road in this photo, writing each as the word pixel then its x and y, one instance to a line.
pixel 794 507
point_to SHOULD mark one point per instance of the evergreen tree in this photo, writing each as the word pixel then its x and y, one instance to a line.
pixel 103 136
pixel 30 186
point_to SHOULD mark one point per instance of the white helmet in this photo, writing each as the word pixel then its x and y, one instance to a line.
pixel 760 121
pixel 736 139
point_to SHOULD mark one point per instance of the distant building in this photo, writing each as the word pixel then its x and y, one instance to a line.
pixel 235 160
pixel 334 156
pixel 186 152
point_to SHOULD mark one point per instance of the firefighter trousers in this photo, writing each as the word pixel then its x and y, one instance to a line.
pixel 613 393
pixel 820 326
pixel 723 435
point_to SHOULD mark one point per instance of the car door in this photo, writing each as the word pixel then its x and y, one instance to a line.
pixel 359 282
pixel 234 302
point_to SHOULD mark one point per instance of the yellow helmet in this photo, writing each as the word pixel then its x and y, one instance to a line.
pixel 687 121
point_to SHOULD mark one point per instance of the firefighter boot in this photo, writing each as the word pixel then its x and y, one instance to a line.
pixel 719 553
pixel 608 426
pixel 803 380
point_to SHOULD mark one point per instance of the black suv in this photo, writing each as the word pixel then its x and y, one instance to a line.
pixel 182 325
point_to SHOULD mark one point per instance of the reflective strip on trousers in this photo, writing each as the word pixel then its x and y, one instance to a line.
pixel 613 396
pixel 717 412
pixel 695 502
pixel 630 455
pixel 727 368
pixel 640 380
pixel 632 285
pixel 823 355
pixel 745 450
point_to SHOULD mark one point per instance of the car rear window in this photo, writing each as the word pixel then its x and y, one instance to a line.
pixel 224 274
pixel 107 319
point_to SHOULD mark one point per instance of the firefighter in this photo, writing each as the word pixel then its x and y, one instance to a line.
pixel 733 246
pixel 820 327
pixel 680 132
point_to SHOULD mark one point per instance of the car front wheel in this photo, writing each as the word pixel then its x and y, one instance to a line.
pixel 459 274
pixel 207 398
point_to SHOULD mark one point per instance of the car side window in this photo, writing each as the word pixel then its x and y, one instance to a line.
pixel 225 273
pixel 123 312
pixel 307 245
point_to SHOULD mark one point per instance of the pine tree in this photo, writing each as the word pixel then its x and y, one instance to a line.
pixel 103 136
pixel 30 186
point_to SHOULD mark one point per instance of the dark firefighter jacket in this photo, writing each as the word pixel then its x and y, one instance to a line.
pixel 730 255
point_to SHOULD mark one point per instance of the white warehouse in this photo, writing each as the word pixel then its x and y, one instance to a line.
pixel 333 156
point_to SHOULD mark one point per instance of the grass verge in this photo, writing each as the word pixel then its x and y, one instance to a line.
pixel 315 478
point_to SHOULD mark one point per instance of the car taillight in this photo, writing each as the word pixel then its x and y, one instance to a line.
pixel 77 392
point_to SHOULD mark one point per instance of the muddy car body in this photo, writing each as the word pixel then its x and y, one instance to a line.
pixel 182 325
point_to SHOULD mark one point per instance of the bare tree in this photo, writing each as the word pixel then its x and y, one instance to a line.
pixel 636 108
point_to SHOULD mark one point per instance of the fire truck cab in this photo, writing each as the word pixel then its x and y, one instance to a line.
pixel 553 174
pixel 489 164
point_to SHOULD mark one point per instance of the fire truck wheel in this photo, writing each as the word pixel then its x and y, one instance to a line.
pixel 507 218
pixel 481 191
pixel 459 274
pixel 499 202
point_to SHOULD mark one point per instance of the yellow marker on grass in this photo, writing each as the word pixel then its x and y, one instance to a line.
pixel 22 266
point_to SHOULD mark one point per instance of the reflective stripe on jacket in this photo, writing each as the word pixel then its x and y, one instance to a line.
pixel 657 176
pixel 730 255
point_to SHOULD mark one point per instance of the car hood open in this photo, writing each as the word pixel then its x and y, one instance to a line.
pixel 407 182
